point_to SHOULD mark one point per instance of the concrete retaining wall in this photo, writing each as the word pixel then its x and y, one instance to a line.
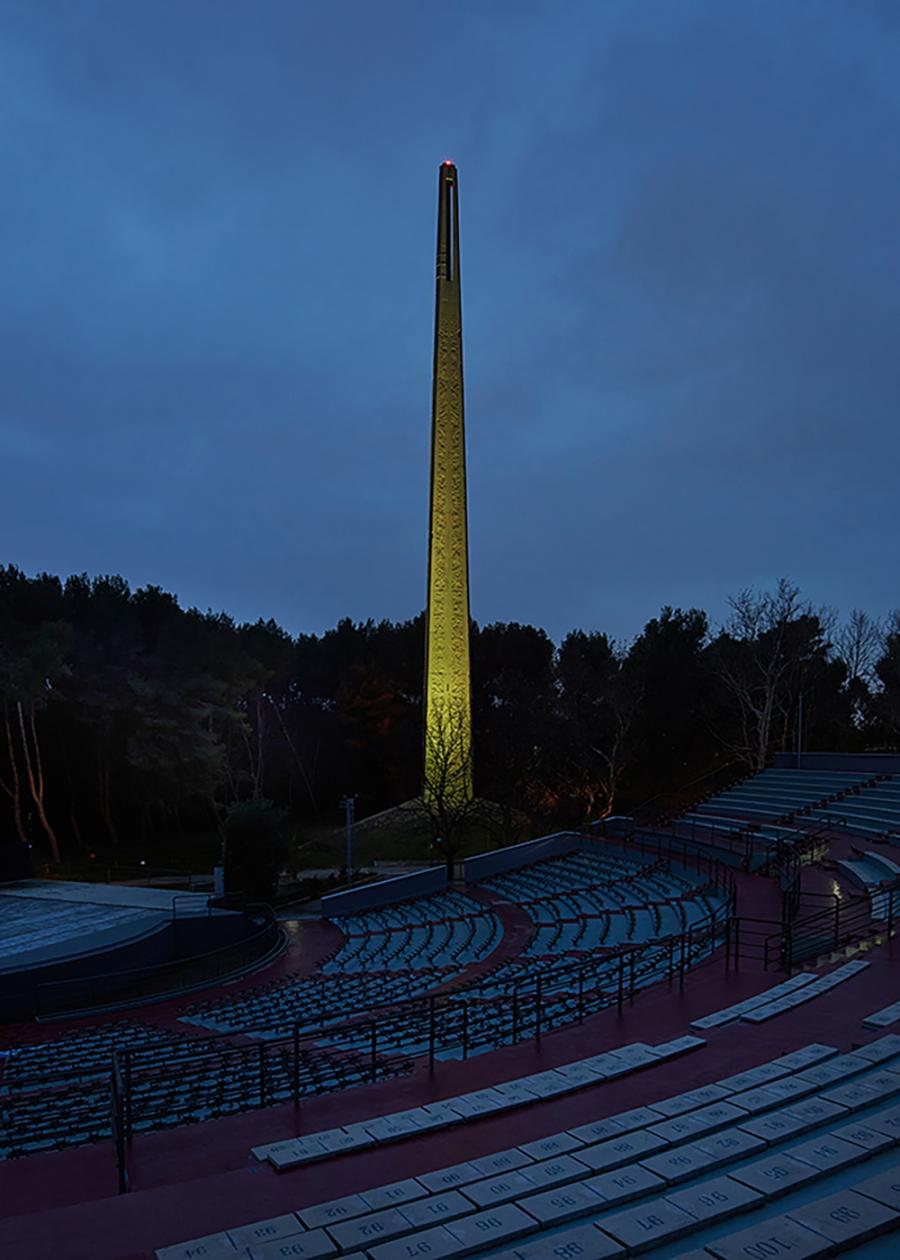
pixel 486 865
pixel 400 888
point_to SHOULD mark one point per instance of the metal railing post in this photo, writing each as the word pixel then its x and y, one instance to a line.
pixel 431 1033
pixel 465 1029
pixel 621 985
pixel 537 1012
pixel 837 920
pixel 296 1065
pixel 581 995
pixel 374 1051
pixel 262 1074
pixel 727 944
pixel 681 964
pixel 631 975
pixel 129 1126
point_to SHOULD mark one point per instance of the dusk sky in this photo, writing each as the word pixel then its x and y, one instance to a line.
pixel 680 227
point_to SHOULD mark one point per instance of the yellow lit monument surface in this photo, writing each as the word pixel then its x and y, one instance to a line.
pixel 448 710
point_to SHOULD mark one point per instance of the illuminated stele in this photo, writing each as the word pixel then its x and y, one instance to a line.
pixel 448 710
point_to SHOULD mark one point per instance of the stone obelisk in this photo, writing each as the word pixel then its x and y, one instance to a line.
pixel 448 707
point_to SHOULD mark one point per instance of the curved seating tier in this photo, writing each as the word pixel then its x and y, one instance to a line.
pixel 778 1146
pixel 445 930
pixel 774 794
pixel 592 899
pixel 873 811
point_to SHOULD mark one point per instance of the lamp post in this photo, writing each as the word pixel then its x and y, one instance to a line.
pixel 349 804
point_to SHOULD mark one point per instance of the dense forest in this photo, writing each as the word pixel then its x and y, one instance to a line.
pixel 129 721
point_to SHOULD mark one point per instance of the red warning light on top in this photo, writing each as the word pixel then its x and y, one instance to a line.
pixel 447 162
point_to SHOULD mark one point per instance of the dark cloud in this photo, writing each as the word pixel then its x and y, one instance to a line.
pixel 681 273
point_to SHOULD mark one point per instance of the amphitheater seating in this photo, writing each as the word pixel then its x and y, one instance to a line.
pixel 588 900
pixel 884 1018
pixel 174 1083
pixel 773 794
pixel 611 1065
pixel 781 997
pixel 446 930
pixel 779 1145
pixel 873 811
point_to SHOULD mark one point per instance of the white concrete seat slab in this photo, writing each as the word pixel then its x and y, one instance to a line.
pixel 846 1218
pixel 374 1227
pixel 884 1188
pixel 567 1203
pixel 548 1147
pixel 790 1088
pixel 634 1118
pixel 481 1102
pixel 621 1150
pixel 391 1128
pixel 596 1131
pixel 650 1225
pixel 501 1162
pixel 436 1209
pixel 756 1100
pixel 624 1184
pixel 806 1057
pixel 715 1199
pixel 858 1095
pixel 878 1051
pixel 774 1175
pixel 492 1228
pixel 714 1116
pixel 887 1121
pixel 826 1153
pixel 393 1194
pixel 449 1178
pixel 840 1068
pixel 557 1171
pixel 730 1145
pixel 516 1093
pixel 679 1164
pixel 863 1135
pixel 582 1074
pixel 678 1046
pixel 636 1055
pixel 762 1013
pixel 776 1126
pixel 209 1247
pixel 776 1236
pixel 442 1111
pixel 266 1231
pixel 609 1065
pixel 884 1018
pixel 314 1245
pixel 548 1084
pixel 436 1243
pixel 500 1189
pixel 753 1077
pixel 689 1101
pixel 581 1242
pixel 300 1151
pixel 334 1210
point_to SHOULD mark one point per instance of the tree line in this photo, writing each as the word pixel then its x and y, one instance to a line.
pixel 129 720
